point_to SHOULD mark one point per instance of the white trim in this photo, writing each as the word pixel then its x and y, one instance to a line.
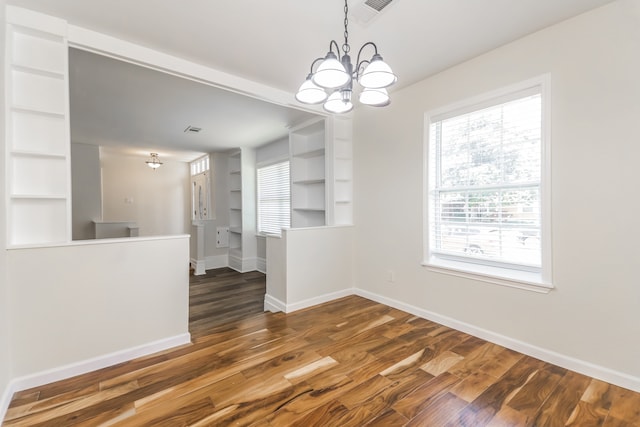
pixel 5 399
pixel 518 279
pixel 261 265
pixel 273 305
pixel 99 362
pixel 93 41
pixel 216 261
pixel 198 267
pixel 235 263
pixel 583 367
pixel 100 241
pixel 290 308
pixel 242 265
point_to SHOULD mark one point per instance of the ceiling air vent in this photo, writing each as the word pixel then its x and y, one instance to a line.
pixel 378 5
pixel 192 129
pixel 363 11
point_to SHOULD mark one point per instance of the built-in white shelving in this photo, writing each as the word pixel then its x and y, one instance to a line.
pixel 341 170
pixel 37 129
pixel 242 211
pixel 308 175
pixel 321 157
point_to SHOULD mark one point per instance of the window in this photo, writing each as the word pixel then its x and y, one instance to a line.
pixel 486 187
pixel 274 198
pixel 200 188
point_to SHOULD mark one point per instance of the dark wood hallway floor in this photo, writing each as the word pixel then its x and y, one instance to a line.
pixel 221 296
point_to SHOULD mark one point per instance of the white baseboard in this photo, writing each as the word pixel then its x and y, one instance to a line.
pixel 216 261
pixel 289 308
pixel 242 265
pixel 5 399
pixel 235 263
pixel 273 305
pixel 261 265
pixel 562 360
pixel 93 364
pixel 198 267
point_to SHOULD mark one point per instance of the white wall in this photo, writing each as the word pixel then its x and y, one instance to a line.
pixel 5 355
pixel 273 152
pixel 120 294
pixel 309 266
pixel 86 189
pixel 593 314
pixel 161 198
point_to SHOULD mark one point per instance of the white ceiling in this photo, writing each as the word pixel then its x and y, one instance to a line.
pixel 139 110
pixel 274 42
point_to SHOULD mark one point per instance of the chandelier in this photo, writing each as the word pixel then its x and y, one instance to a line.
pixel 332 81
pixel 154 162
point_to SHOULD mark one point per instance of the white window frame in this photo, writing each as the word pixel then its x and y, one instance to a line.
pixel 258 218
pixel 537 281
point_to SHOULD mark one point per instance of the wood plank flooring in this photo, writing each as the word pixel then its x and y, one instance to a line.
pixel 350 362
pixel 223 295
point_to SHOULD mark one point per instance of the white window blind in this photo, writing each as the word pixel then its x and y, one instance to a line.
pixel 485 169
pixel 274 198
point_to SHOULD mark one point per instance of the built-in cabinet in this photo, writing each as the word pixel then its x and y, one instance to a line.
pixel 37 131
pixel 242 210
pixel 308 175
pixel 340 144
pixel 321 173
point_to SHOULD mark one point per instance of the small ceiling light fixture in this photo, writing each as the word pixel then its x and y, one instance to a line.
pixel 154 162
pixel 337 76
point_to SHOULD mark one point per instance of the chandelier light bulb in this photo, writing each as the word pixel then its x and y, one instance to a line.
pixel 377 74
pixel 311 93
pixel 339 102
pixel 331 73
pixel 375 97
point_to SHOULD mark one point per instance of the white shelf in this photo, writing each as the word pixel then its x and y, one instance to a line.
pixel 310 181
pixel 309 209
pixel 39 71
pixel 38 111
pixel 234 172
pixel 39 196
pixel 308 154
pixel 36 154
pixel 237 230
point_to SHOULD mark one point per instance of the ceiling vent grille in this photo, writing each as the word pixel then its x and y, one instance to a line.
pixel 192 129
pixel 378 5
pixel 363 11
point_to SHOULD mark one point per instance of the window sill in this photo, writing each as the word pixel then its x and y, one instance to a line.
pixel 265 235
pixel 499 276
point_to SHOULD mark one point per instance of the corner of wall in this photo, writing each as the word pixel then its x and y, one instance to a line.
pixel 6 391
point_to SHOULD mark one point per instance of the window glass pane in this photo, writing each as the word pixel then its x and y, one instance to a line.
pixel 484 181
pixel 274 207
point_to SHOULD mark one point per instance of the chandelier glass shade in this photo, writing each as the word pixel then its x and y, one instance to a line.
pixel 154 163
pixel 332 81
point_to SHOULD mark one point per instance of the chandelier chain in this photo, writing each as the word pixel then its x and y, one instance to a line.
pixel 345 46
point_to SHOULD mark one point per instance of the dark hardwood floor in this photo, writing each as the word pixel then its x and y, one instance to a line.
pixel 350 362
pixel 223 295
